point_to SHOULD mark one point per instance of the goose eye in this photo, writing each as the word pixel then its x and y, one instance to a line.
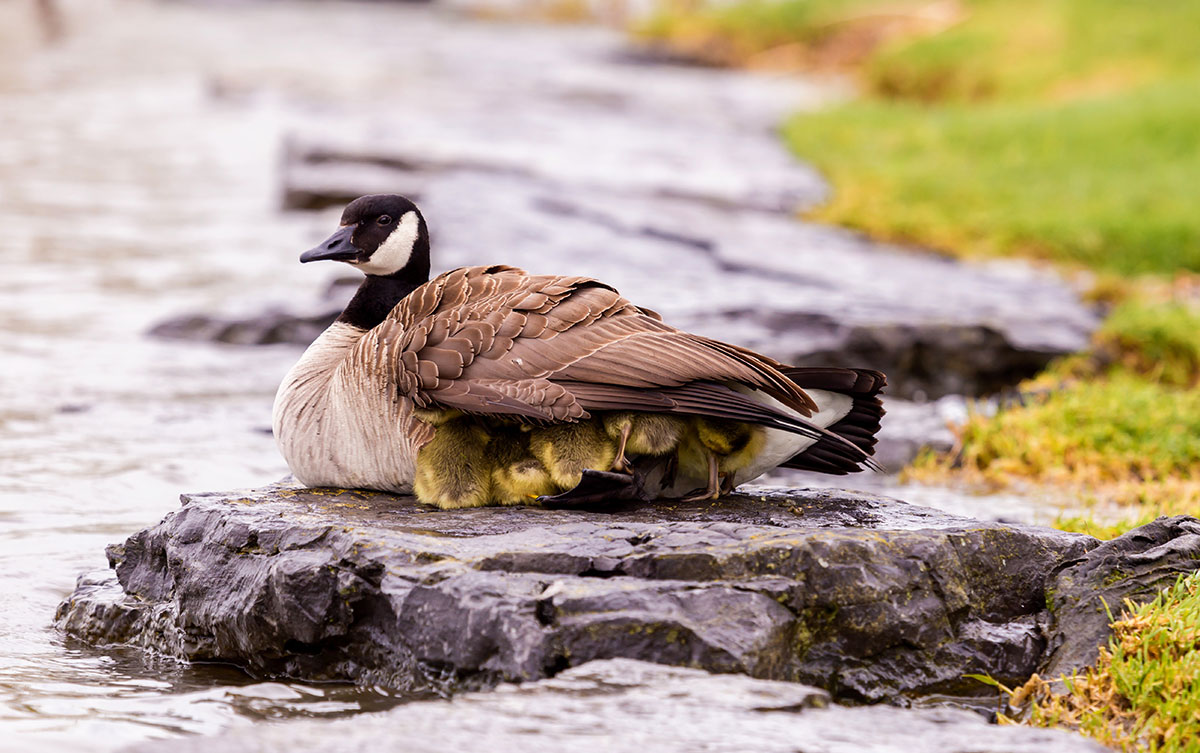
pixel 384 219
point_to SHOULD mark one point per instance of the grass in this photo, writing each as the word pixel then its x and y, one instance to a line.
pixel 1160 341
pixel 1142 694
pixel 1075 182
pixel 1110 430
pixel 1119 426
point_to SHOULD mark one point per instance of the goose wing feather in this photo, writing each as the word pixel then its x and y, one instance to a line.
pixel 498 340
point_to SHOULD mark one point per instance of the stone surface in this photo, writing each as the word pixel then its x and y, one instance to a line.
pixel 866 596
pixel 620 704
pixel 909 427
pixel 1134 567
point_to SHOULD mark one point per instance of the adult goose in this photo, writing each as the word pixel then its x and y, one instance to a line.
pixel 489 385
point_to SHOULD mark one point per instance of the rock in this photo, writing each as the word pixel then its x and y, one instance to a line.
pixel 274 325
pixel 619 704
pixel 908 428
pixel 271 326
pixel 868 597
pixel 1133 567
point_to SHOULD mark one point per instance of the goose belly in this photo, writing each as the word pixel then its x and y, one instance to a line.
pixel 335 430
pixel 784 445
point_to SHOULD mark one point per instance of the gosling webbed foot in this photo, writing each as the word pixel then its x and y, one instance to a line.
pixel 701 495
pixel 596 487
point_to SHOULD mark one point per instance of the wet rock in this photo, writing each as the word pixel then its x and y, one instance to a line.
pixel 272 326
pixel 619 704
pixel 868 597
pixel 908 428
pixel 269 327
pixel 1135 567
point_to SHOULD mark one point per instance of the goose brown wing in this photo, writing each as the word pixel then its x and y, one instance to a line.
pixel 496 340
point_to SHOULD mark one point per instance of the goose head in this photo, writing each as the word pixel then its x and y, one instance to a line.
pixel 382 235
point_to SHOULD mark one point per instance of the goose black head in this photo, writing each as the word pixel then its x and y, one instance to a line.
pixel 382 235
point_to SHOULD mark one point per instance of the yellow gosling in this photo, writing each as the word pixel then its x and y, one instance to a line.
pixel 453 469
pixel 653 434
pixel 565 450
pixel 518 478
pixel 436 416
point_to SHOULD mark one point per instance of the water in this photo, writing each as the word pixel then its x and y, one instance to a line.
pixel 139 168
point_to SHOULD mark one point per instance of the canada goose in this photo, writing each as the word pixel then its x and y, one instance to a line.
pixel 491 385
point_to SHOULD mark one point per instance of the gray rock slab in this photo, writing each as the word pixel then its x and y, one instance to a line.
pixel 620 704
pixel 1134 567
pixel 866 596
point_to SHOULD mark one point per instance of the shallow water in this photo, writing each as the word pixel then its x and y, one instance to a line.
pixel 139 163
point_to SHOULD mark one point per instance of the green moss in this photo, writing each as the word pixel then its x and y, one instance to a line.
pixel 1115 439
pixel 1099 529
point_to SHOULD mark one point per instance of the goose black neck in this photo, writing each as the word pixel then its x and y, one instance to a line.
pixel 376 298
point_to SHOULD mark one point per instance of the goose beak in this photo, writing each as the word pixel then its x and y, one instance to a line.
pixel 337 247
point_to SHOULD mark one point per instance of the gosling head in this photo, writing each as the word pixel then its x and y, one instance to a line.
pixel 382 235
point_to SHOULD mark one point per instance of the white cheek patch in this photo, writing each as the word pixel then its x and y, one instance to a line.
pixel 393 254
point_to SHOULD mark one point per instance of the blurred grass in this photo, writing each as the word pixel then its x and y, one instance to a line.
pixel 1061 129
pixel 1119 425
pixel 1106 183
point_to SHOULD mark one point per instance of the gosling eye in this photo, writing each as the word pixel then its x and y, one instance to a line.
pixel 384 219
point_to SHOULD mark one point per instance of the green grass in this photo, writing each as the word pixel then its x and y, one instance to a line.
pixel 1105 430
pixel 1158 340
pixel 1041 50
pixel 1142 694
pixel 1119 427
pixel 1063 129
pixel 1106 183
